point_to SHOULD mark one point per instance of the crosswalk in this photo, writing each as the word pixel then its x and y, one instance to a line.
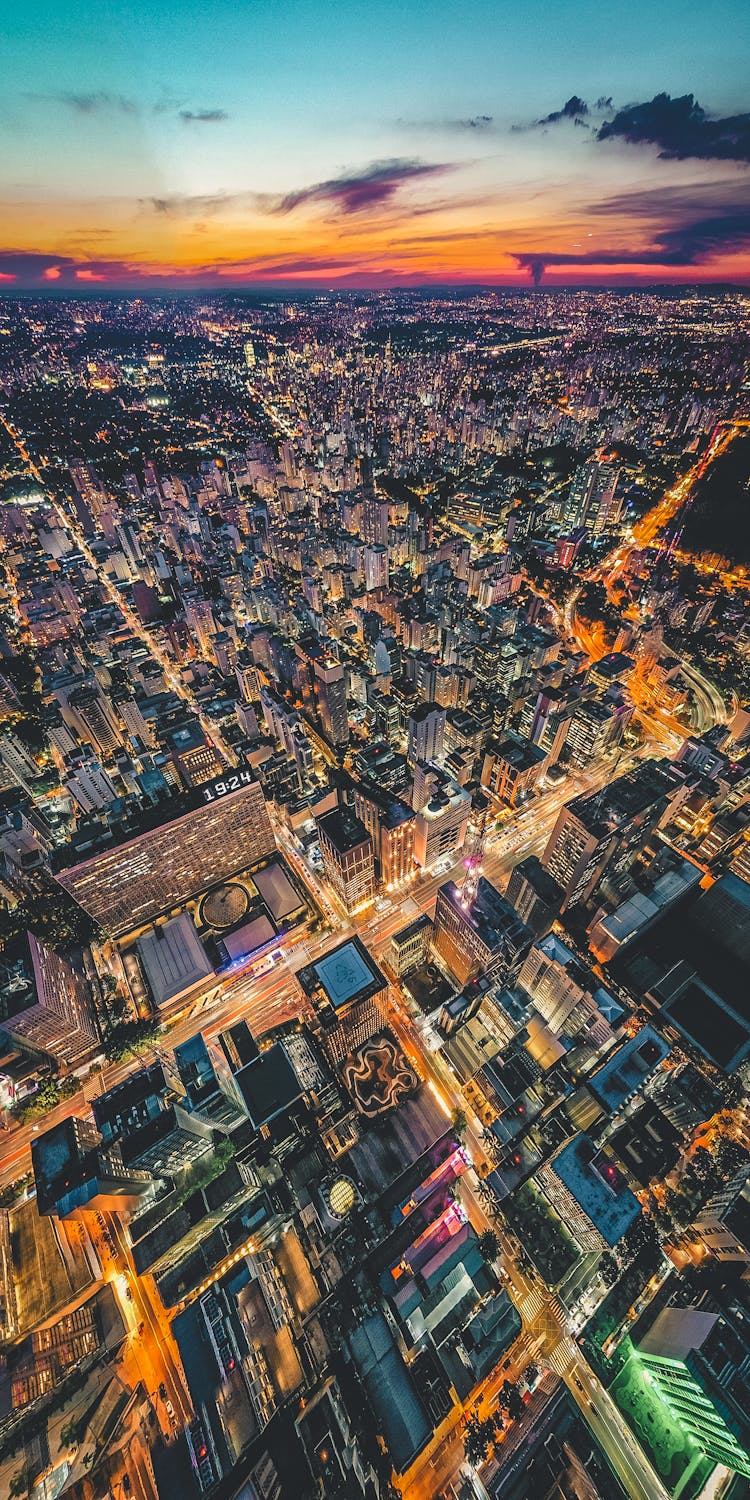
pixel 558 1357
pixel 537 1303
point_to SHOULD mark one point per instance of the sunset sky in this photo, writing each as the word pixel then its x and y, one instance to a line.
pixel 161 143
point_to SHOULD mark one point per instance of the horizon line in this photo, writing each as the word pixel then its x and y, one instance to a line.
pixel 299 288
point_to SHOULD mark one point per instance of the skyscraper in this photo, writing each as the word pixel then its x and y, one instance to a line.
pixel 330 686
pixel 426 727
pixel 487 937
pixel 375 520
pixel 57 1015
pixel 348 857
pixel 376 566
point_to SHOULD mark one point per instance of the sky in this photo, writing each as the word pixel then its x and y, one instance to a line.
pixel 222 143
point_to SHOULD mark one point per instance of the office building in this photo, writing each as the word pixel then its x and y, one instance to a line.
pixel 565 993
pixel 74 1171
pixel 47 1007
pixel 16 760
pixel 127 886
pixel 192 753
pixel 593 728
pixel 594 500
pixel 375 521
pixel 376 567
pixel 441 822
pixel 610 826
pixel 426 733
pixel 699 1363
pixel 90 786
pixel 487 937
pixel 390 822
pixel 330 687
pixel 533 892
pixel 589 1192
pixel 512 768
pixel 409 947
pixel 86 710
pixel 349 996
pixel 723 1225
pixel 577 851
pixel 348 857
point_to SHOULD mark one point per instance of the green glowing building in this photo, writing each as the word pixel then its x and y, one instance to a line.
pixel 700 1364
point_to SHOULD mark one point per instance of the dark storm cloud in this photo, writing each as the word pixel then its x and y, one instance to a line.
pixel 356 192
pixel 681 129
pixel 691 244
pixel 681 246
pixel 31 268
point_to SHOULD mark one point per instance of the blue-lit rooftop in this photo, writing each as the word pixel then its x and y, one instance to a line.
pixel 599 1186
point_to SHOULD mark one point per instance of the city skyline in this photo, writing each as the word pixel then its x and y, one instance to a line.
pixel 302 146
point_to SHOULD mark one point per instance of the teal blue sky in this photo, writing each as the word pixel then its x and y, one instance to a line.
pixel 196 141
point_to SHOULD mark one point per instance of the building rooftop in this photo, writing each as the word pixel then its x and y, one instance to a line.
pixel 598 1186
pixel 268 1085
pixel 626 798
pixel 493 918
pixel 422 711
pixel 627 1068
pixel 186 736
pixel 709 1022
pixel 522 754
pixel 444 797
pixel 633 915
pixel 538 878
pixel 677 1332
pixel 405 934
pixel 615 665
pixel 343 829
pixel 344 975
pixel 173 958
pixel 391 1392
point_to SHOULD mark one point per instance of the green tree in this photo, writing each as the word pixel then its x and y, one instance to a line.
pixel 608 1269
pixel 69 1433
pixel 478 1439
pixel 20 1482
pixel 511 1400
pixel 489 1245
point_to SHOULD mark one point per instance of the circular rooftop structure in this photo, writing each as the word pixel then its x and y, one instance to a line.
pixel 340 1197
pixel 224 905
